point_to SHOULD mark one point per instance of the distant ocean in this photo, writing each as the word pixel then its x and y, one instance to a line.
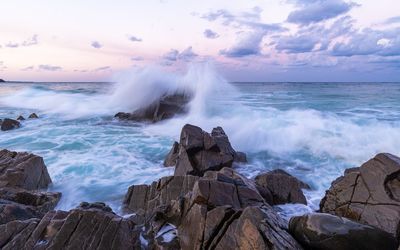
pixel 312 130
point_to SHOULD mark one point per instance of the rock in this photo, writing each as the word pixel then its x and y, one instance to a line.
pixel 198 151
pixel 220 210
pixel 1 80
pixel 20 118
pixel 23 170
pixel 80 228
pixel 8 124
pixel 325 231
pixel 33 116
pixel 283 187
pixel 172 156
pixel 369 194
pixel 240 157
pixel 166 107
pixel 19 204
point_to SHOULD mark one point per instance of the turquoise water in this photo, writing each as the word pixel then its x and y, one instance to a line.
pixel 312 130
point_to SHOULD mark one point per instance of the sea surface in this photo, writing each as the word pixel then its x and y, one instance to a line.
pixel 312 130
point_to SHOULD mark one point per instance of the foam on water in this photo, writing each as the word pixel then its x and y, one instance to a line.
pixel 314 131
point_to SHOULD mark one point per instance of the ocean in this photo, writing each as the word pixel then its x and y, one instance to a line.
pixel 314 131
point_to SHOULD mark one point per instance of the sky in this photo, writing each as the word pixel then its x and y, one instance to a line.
pixel 247 40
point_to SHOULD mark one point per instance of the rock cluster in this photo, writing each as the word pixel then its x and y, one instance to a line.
pixel 22 175
pixel 369 194
pixel 9 124
pixel 198 151
pixel 166 107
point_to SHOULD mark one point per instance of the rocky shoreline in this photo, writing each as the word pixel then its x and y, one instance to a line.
pixel 206 204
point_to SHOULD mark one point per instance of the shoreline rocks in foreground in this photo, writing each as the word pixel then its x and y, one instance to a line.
pixel 204 205
pixel 166 107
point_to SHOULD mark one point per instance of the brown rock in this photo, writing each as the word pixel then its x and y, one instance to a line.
pixel 283 187
pixel 33 116
pixel 23 170
pixel 20 118
pixel 369 194
pixel 325 231
pixel 171 158
pixel 80 228
pixel 8 124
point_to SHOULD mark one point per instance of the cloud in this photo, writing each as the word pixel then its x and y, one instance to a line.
pixel 96 45
pixel 48 67
pixel 370 42
pixel 174 55
pixel 102 68
pixel 12 45
pixel 210 34
pixel 135 39
pixel 317 11
pixel 296 44
pixel 395 19
pixel 29 68
pixel 31 41
pixel 137 58
pixel 247 45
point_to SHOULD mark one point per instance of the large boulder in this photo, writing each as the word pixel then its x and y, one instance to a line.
pixel 164 108
pixel 369 194
pixel 198 151
pixel 220 210
pixel 329 232
pixel 283 187
pixel 23 170
pixel 86 227
pixel 8 124
pixel 21 175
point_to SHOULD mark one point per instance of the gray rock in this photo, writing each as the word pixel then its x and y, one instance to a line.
pixel 369 194
pixel 20 118
pixel 166 107
pixel 283 187
pixel 329 232
pixel 33 116
pixel 8 124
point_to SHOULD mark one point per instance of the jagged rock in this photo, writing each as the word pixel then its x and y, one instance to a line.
pixel 283 187
pixel 369 194
pixel 325 231
pixel 81 228
pixel 23 170
pixel 33 116
pixel 20 204
pixel 215 211
pixel 172 156
pixel 8 124
pixel 164 108
pixel 240 157
pixel 20 118
pixel 199 151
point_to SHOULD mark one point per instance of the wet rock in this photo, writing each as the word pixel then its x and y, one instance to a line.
pixel 8 124
pixel 1 80
pixel 369 194
pixel 240 157
pixel 33 116
pixel 325 231
pixel 220 210
pixel 198 151
pixel 165 108
pixel 20 118
pixel 80 228
pixel 172 156
pixel 23 170
pixel 283 187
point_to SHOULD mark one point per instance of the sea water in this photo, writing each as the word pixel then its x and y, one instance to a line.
pixel 312 130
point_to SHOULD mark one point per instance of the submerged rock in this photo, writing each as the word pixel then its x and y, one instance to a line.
pixel 33 116
pixel 198 151
pixel 88 227
pixel 329 232
pixel 220 210
pixel 165 108
pixel 369 194
pixel 20 118
pixel 8 124
pixel 283 187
